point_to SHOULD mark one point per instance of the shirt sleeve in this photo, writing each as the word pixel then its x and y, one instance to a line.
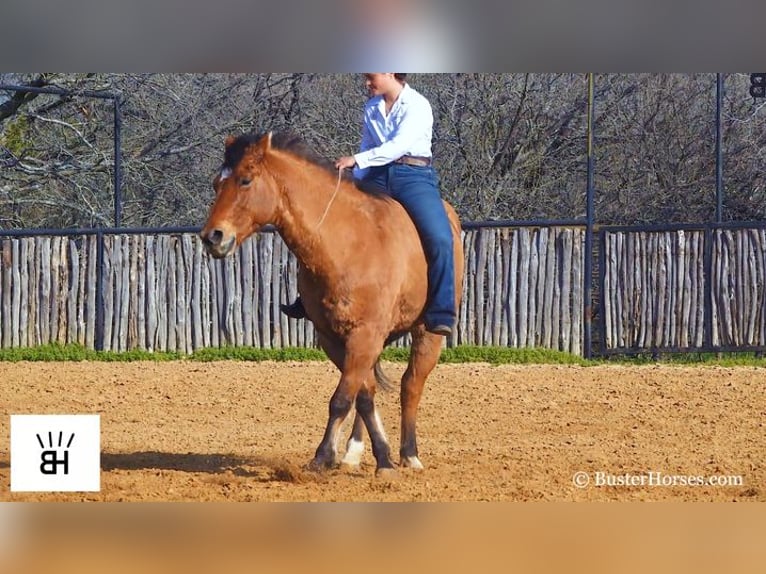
pixel 368 142
pixel 411 125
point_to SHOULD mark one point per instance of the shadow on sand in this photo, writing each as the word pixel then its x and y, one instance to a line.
pixel 253 466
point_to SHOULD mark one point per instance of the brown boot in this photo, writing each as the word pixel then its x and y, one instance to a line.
pixel 445 330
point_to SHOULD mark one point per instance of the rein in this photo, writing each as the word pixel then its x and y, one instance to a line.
pixel 329 203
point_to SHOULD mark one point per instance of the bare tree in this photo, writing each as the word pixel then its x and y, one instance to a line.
pixel 507 146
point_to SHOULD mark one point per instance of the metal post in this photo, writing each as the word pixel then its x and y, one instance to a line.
pixel 117 162
pixel 588 303
pixel 718 150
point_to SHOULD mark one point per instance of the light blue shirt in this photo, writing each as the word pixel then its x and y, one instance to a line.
pixel 406 130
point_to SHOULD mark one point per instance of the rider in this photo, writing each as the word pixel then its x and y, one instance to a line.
pixel 395 153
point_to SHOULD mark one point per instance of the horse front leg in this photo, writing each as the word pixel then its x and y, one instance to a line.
pixel 360 357
pixel 326 453
pixel 340 404
pixel 365 406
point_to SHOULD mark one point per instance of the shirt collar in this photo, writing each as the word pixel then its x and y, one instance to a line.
pixel 404 96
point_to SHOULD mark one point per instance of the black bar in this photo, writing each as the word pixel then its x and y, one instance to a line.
pixel 589 216
pixel 266 229
pixel 718 150
pixel 525 223
pixel 32 231
pixel 117 164
pixel 99 335
pixel 102 230
pixel 685 226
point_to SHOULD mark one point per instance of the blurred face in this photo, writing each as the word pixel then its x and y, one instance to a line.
pixel 380 84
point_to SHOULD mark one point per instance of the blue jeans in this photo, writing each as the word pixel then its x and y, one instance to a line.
pixel 417 189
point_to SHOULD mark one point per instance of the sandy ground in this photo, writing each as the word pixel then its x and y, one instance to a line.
pixel 234 431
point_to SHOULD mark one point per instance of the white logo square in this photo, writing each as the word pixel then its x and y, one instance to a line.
pixel 55 453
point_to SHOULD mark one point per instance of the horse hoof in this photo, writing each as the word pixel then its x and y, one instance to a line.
pixel 387 474
pixel 320 465
pixel 352 465
pixel 352 469
pixel 412 462
pixel 352 459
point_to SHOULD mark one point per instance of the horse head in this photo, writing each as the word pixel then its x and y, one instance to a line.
pixel 246 195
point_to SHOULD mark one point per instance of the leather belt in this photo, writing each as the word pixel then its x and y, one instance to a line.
pixel 417 161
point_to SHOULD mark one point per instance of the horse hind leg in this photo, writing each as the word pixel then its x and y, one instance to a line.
pixel 426 348
pixel 355 444
pixel 365 406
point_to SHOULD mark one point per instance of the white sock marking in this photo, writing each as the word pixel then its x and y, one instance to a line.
pixel 354 452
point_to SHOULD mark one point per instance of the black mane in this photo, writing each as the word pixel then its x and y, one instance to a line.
pixel 293 143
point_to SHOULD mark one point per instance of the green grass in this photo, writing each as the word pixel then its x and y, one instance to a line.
pixel 253 354
pixel 461 354
pixel 745 359
pixel 80 353
pixel 493 355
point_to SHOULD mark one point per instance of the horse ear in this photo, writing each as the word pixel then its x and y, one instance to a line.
pixel 262 146
pixel 229 140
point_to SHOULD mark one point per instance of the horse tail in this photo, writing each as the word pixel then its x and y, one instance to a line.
pixel 382 379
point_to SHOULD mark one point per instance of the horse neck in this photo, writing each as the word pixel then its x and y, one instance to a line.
pixel 310 204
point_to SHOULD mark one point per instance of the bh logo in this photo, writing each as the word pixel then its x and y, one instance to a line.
pixel 55 453
pixel 50 460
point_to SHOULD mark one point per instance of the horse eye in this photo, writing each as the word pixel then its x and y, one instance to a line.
pixel 245 181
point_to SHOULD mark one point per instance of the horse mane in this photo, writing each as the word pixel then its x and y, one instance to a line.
pixel 294 144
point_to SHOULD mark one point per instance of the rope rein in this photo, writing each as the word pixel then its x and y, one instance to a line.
pixel 329 203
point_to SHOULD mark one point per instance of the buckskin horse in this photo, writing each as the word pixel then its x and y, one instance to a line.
pixel 361 276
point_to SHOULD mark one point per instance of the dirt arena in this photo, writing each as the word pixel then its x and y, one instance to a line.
pixel 235 431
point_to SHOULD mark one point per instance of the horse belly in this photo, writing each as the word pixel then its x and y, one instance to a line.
pixel 412 292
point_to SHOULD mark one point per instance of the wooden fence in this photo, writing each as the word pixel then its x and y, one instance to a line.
pixel 684 289
pixel 522 288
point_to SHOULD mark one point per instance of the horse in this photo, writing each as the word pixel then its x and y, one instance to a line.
pixel 361 276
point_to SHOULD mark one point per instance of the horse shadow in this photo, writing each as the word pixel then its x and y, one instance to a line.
pixel 261 468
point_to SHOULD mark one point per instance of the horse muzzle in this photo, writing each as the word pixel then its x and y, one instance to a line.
pixel 217 243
